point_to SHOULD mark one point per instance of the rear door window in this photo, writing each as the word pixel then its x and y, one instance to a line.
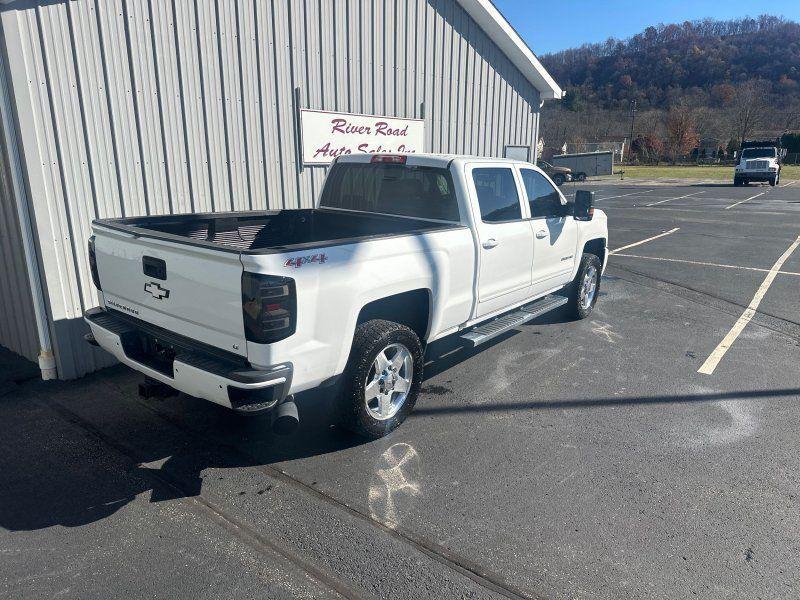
pixel 403 190
pixel 497 193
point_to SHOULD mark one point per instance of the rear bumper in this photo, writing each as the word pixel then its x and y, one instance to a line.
pixel 190 366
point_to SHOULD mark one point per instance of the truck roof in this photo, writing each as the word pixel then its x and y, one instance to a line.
pixel 760 144
pixel 429 159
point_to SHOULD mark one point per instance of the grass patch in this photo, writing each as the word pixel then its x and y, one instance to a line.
pixel 722 173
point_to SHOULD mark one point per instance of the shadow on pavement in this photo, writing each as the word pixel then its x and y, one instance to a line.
pixel 443 354
pixel 728 185
pixel 74 453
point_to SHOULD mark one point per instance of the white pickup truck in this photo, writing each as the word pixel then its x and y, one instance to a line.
pixel 246 309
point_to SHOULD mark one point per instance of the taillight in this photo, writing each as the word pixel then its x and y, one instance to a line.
pixel 269 306
pixel 93 264
pixel 392 159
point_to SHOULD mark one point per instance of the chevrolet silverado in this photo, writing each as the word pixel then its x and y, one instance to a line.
pixel 247 309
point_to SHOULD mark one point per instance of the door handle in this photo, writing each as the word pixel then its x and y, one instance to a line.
pixel 541 234
pixel 490 243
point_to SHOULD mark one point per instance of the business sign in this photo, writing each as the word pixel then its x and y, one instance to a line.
pixel 327 135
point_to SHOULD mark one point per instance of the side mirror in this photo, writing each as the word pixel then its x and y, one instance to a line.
pixel 584 205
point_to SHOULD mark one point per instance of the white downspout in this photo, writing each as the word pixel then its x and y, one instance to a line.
pixel 47 361
pixel 536 132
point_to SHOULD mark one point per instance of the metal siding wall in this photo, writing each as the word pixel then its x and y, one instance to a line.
pixel 17 319
pixel 133 107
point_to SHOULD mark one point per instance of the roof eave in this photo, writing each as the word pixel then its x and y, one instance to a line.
pixel 509 41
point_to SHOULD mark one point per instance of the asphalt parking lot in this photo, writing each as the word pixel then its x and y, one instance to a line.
pixel 648 451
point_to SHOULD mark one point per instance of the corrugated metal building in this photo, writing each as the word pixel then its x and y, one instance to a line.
pixel 129 107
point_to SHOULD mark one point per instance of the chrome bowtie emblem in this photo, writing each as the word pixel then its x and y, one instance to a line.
pixel 155 290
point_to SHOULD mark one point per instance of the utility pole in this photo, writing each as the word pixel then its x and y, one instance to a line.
pixel 633 122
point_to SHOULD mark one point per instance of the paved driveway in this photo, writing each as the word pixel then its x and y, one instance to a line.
pixel 648 451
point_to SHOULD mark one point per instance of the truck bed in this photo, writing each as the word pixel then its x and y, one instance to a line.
pixel 273 231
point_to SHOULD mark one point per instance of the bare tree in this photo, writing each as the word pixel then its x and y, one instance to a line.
pixel 681 127
pixel 748 109
pixel 789 118
pixel 647 148
pixel 711 124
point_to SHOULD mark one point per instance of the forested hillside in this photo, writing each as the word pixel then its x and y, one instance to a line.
pixel 725 80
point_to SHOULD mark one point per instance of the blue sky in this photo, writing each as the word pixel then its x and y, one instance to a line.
pixel 551 25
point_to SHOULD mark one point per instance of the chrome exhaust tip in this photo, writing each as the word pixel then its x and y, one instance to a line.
pixel 285 418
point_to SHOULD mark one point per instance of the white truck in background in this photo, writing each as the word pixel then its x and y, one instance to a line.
pixel 247 309
pixel 758 161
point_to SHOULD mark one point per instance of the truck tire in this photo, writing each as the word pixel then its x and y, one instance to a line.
pixel 737 181
pixel 382 378
pixel 559 179
pixel 775 180
pixel 585 288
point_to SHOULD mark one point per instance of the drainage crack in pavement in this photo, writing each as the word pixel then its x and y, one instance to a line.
pixel 697 221
pixel 727 342
pixel 685 208
pixel 219 515
pixel 703 263
pixel 758 238
pixel 486 579
pixel 670 284
pixel 490 581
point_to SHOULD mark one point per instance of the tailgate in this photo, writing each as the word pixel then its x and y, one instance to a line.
pixel 192 291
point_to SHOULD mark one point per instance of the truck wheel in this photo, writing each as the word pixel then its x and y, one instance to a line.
pixel 737 182
pixel 382 378
pixel 585 288
pixel 773 181
pixel 558 179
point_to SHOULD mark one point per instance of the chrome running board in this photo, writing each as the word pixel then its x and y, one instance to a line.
pixel 487 331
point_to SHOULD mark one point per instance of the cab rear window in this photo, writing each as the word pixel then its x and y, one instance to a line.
pixel 403 190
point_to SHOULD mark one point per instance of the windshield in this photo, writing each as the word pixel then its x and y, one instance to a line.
pixel 759 153
pixel 404 190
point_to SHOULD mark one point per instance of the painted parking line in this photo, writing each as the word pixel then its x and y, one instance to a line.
pixel 704 264
pixel 678 198
pixel 721 199
pixel 624 195
pixel 743 201
pixel 713 360
pixel 790 183
pixel 640 242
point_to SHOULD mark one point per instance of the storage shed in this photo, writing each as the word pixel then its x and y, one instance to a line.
pixel 120 108
pixel 593 164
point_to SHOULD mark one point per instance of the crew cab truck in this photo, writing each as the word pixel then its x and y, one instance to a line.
pixel 758 161
pixel 247 309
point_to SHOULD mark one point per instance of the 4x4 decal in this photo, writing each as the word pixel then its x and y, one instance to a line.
pixel 299 261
